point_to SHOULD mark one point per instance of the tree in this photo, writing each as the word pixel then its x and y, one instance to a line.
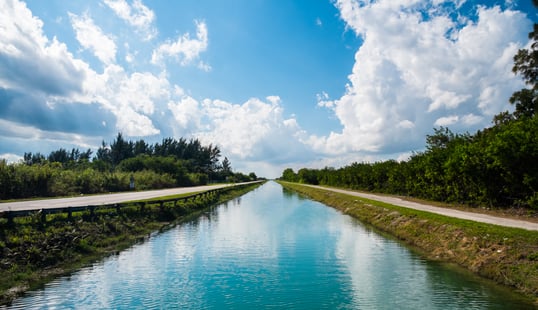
pixel 32 159
pixel 526 65
pixel 226 169
pixel 207 159
pixel 289 175
pixel 141 147
pixel 120 149
pixel 103 153
pixel 440 139
pixel 307 176
pixel 85 156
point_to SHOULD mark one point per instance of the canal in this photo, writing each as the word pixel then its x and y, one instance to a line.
pixel 270 249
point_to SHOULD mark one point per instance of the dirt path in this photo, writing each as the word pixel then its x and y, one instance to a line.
pixel 477 217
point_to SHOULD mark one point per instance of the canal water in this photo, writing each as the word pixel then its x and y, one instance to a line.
pixel 270 249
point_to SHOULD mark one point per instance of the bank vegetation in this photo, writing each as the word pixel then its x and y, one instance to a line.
pixel 33 252
pixel 508 256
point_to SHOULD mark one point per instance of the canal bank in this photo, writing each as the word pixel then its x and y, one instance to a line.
pixel 33 252
pixel 508 256
pixel 270 249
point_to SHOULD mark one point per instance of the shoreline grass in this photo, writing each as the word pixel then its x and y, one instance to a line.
pixel 508 256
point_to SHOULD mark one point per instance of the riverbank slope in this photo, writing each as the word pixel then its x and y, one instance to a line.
pixel 506 255
pixel 33 253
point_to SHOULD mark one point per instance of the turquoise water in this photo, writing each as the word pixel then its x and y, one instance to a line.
pixel 269 249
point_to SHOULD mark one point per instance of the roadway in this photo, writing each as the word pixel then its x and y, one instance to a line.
pixel 103 199
pixel 130 196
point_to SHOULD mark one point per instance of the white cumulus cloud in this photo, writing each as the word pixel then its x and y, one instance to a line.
pixel 130 97
pixel 252 131
pixel 186 112
pixel 137 15
pixel 254 134
pixel 447 120
pixel 422 66
pixel 29 61
pixel 91 37
pixel 185 49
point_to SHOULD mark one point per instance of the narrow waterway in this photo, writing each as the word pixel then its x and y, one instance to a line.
pixel 270 249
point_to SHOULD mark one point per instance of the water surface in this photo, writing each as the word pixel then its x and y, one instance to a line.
pixel 270 249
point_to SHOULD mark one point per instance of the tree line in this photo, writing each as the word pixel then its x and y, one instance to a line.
pixel 117 166
pixel 495 167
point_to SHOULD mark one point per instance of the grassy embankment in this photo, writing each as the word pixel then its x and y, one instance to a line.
pixel 508 256
pixel 32 253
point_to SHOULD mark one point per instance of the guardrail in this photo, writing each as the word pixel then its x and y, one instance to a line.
pixel 92 209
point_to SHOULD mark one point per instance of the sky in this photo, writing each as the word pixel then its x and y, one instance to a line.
pixel 274 84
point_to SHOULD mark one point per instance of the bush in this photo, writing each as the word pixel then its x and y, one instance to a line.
pixel 63 184
pixel 90 181
pixel 151 180
pixel 198 178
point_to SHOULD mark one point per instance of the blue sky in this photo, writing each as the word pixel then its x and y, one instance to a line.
pixel 275 84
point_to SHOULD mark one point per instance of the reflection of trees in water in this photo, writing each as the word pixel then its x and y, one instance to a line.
pixel 288 193
pixel 213 211
pixel 237 201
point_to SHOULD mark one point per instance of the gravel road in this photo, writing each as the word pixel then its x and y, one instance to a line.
pixel 477 217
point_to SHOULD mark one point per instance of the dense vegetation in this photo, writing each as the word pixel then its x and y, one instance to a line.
pixel 167 164
pixel 496 166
